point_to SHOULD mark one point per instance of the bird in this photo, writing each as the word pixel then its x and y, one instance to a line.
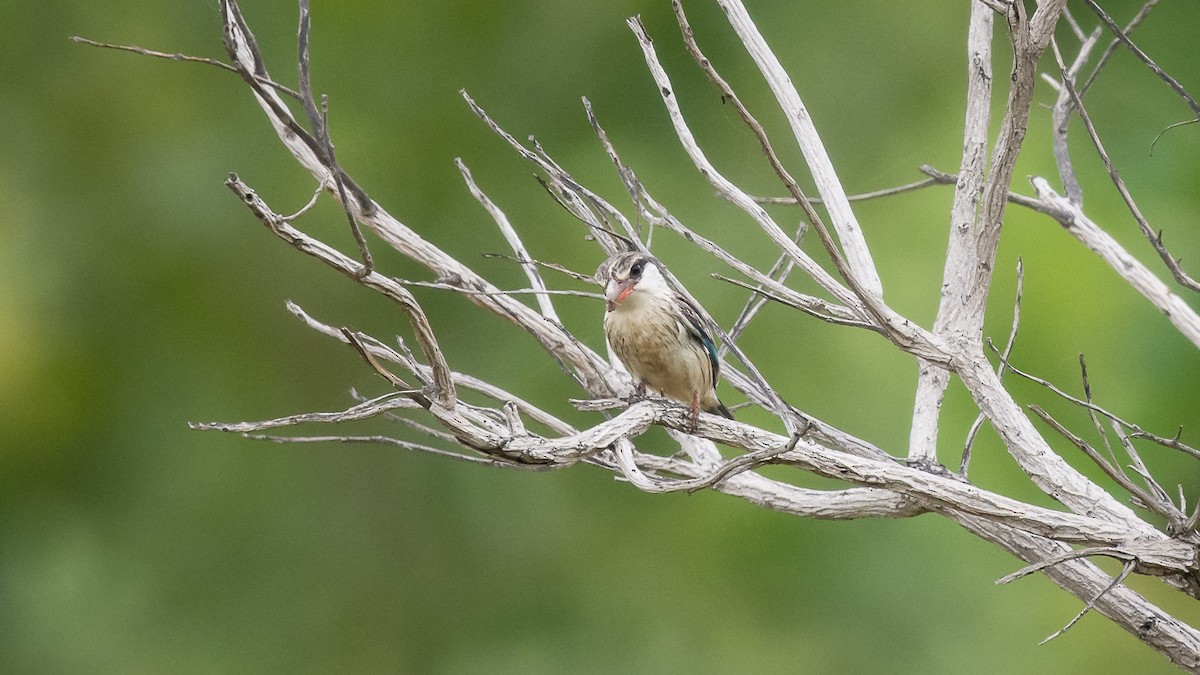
pixel 658 334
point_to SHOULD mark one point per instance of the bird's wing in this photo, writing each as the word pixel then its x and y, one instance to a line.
pixel 695 326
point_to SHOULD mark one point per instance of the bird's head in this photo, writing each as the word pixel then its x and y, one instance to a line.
pixel 630 274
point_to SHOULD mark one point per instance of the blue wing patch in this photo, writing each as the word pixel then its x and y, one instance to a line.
pixel 696 330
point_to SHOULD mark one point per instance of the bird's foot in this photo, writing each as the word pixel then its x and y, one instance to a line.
pixel 694 416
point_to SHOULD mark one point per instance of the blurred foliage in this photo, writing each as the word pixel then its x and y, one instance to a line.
pixel 138 295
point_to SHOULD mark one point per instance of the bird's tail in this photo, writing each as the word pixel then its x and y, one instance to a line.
pixel 720 409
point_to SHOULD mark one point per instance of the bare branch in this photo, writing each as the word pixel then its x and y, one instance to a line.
pixel 932 381
pixel 1135 430
pixel 1012 340
pixel 723 185
pixel 1155 239
pixel 318 121
pixel 1061 115
pixel 861 197
pixel 406 445
pixel 1092 603
pixel 1072 218
pixel 364 410
pixel 184 57
pixel 1165 509
pixel 1154 68
pixel 384 285
pixel 858 256
pixel 1112 45
pixel 510 235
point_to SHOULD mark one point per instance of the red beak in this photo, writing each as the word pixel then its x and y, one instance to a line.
pixel 616 292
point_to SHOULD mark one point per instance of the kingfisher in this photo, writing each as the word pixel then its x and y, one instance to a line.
pixel 658 334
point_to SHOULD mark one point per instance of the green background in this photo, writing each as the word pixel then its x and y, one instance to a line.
pixel 136 294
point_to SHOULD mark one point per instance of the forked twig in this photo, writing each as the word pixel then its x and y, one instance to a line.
pixel 965 462
pixel 184 57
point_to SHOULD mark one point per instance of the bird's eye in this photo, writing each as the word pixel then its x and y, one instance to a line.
pixel 636 270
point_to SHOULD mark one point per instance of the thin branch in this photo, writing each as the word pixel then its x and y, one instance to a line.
pixel 540 292
pixel 812 306
pixel 943 178
pixel 858 255
pixel 1012 339
pixel 513 239
pixel 1155 239
pixel 406 445
pixel 1087 395
pixel 861 197
pixel 1092 603
pixel 184 57
pixel 1135 430
pixel 424 373
pixel 1087 552
pixel 319 122
pixel 1061 115
pixel 355 270
pixel 1168 128
pixel 366 409
pixel 779 271
pixel 1072 218
pixel 1112 471
pixel 1154 68
pixel 1112 45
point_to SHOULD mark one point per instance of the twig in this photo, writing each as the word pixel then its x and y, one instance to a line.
pixel 1147 500
pixel 364 410
pixel 1071 217
pixel 1155 239
pixel 400 385
pixel 1061 115
pixel 578 276
pixel 513 239
pixel 1012 339
pixel 1154 68
pixel 355 270
pixel 184 57
pixel 540 292
pixel 943 178
pixel 1112 45
pixel 407 445
pixel 1168 128
pixel 1135 430
pixel 1087 395
pixel 319 122
pixel 861 197
pixel 812 306
pixel 588 207
pixel 1087 552
pixel 1125 571
pixel 424 373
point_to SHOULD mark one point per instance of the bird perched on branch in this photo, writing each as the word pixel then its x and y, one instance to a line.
pixel 658 334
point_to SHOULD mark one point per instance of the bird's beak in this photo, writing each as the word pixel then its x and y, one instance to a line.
pixel 615 292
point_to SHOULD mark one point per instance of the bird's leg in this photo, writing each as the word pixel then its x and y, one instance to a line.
pixel 638 394
pixel 694 420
